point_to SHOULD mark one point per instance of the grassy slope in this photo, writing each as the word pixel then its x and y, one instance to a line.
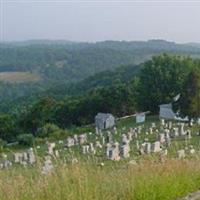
pixel 150 179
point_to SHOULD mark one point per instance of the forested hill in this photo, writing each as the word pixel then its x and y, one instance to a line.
pixel 64 62
pixel 72 61
pixel 14 96
pixel 122 74
pixel 32 69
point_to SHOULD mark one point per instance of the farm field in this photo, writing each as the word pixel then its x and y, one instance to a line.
pixel 19 77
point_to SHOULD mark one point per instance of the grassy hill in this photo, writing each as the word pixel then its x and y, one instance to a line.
pixel 140 177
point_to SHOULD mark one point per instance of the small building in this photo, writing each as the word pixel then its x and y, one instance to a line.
pixel 166 112
pixel 140 117
pixel 104 120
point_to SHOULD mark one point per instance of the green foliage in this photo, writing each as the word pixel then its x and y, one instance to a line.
pixel 7 127
pixel 25 139
pixel 48 130
pixel 2 144
pixel 161 79
pixel 37 115
pixel 190 100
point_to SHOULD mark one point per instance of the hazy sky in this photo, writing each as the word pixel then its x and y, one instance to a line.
pixel 100 20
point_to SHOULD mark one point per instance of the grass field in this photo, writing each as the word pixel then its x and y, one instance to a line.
pixel 19 77
pixel 148 180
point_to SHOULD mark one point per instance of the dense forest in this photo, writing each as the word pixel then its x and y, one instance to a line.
pixel 78 80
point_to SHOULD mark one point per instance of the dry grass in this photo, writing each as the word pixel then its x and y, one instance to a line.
pixel 19 77
pixel 148 180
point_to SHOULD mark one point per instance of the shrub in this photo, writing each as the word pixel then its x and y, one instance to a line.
pixel 48 130
pixel 2 144
pixel 26 139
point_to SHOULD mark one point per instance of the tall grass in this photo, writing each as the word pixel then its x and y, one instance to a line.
pixel 148 180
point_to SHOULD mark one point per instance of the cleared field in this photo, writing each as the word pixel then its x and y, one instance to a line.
pixel 19 77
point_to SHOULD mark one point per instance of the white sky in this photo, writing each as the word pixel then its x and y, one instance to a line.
pixel 100 20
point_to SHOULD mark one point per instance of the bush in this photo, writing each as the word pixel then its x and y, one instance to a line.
pixel 2 144
pixel 49 130
pixel 26 139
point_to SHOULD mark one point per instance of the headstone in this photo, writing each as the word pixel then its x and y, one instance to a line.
pixel 75 139
pixel 188 134
pixel 156 147
pixel 112 151
pixel 60 142
pixel 130 136
pixel 82 139
pixel 175 132
pixel 181 153
pixel 162 138
pixel 115 131
pixel 153 125
pixel 162 122
pixel 124 151
pixel 56 152
pixel 137 145
pixel 98 145
pixel 48 166
pixel 170 125
pixel 124 139
pixel 168 142
pixel 31 156
pixel 103 140
pixel 151 130
pixel 92 148
pixel 181 129
pixel 147 148
pixel 96 131
pixel 70 142
pixel 51 147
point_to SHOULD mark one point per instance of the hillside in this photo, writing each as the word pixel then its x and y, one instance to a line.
pixel 33 69
pixel 70 61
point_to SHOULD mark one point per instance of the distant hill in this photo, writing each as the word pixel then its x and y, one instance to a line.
pixel 122 74
pixel 59 68
pixel 73 61
pixel 196 45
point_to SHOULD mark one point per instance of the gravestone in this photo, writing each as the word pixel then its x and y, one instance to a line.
pixel 124 151
pixel 181 153
pixel 156 147
pixel 70 142
pixel 112 151
pixel 48 166
pixel 161 138
pixel 31 156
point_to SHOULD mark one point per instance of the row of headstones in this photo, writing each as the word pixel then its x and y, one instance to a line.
pixel 115 151
pixel 76 140
pixel 24 158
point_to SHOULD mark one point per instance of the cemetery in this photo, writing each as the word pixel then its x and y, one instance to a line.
pixel 145 144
